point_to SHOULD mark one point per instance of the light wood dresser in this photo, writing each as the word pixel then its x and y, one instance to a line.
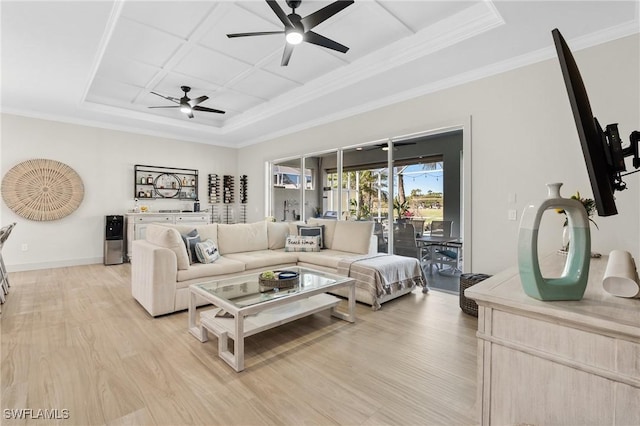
pixel 543 363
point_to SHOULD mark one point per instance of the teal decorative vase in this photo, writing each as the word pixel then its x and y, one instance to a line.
pixel 573 280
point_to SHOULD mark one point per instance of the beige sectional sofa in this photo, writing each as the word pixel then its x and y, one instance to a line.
pixel 161 271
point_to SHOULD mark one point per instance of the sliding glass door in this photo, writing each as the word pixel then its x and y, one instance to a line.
pixel 416 179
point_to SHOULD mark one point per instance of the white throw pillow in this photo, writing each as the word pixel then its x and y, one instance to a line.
pixel 207 251
pixel 302 243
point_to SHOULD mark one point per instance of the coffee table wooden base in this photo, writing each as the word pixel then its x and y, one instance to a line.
pixel 239 327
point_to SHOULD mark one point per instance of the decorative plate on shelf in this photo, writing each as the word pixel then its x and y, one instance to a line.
pixel 42 189
pixel 167 185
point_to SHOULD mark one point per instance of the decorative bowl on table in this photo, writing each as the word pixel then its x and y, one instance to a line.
pixel 276 280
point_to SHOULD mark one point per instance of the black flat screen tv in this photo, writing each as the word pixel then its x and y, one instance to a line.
pixel 599 155
pixel 603 152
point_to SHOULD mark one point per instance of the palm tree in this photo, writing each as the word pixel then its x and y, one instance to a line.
pixel 401 196
pixel 367 192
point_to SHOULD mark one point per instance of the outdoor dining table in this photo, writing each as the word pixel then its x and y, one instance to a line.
pixel 432 242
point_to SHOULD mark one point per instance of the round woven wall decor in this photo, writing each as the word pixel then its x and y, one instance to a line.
pixel 42 189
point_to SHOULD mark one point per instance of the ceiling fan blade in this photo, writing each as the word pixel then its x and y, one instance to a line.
pixel 170 106
pixel 199 108
pixel 319 16
pixel 315 38
pixel 254 34
pixel 193 102
pixel 280 13
pixel 170 98
pixel 190 114
pixel 286 55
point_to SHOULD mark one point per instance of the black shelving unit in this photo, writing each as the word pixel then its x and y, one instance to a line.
pixel 243 189
pixel 214 189
pixel 243 198
pixel 157 182
pixel 228 189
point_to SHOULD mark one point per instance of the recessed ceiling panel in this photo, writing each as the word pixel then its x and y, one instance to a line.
pixel 112 92
pixel 263 84
pixel 142 43
pixel 177 18
pixel 230 100
pixel 211 66
pixel 307 62
pixel 421 14
pixel 247 49
pixel 368 27
pixel 119 69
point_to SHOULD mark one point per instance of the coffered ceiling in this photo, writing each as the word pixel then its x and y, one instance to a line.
pixel 97 62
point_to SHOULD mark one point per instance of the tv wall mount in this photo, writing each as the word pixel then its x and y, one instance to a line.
pixel 616 154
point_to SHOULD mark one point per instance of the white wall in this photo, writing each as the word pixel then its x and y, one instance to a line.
pixel 523 136
pixel 104 159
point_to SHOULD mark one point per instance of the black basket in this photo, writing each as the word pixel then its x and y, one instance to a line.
pixel 469 306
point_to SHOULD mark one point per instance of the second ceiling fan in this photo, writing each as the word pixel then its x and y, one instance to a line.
pixel 298 29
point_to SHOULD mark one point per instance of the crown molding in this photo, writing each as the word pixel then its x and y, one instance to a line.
pixel 613 33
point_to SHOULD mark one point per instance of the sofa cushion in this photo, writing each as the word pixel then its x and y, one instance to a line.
pixel 302 243
pixel 170 238
pixel 263 258
pixel 221 266
pixel 208 232
pixel 293 227
pixel 327 258
pixel 190 240
pixel 352 236
pixel 207 251
pixel 242 237
pixel 313 231
pixel 182 229
pixel 329 230
pixel 277 233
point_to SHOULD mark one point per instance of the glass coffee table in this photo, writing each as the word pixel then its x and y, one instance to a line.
pixel 242 310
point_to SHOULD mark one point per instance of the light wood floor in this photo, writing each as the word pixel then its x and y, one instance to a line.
pixel 74 338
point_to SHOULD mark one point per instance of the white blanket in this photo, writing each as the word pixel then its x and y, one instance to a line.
pixel 382 273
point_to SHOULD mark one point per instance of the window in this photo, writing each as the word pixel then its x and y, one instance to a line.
pixel 289 177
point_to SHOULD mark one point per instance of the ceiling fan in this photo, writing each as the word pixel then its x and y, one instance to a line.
pixel 187 105
pixel 385 147
pixel 298 29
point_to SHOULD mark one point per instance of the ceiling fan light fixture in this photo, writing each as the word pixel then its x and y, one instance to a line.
pixel 185 108
pixel 294 37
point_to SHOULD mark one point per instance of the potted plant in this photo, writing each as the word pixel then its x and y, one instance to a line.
pixel 590 207
pixel 401 208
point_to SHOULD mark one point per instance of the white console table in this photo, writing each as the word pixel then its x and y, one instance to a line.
pixel 137 223
pixel 542 363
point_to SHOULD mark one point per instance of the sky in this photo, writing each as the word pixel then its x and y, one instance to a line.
pixel 417 178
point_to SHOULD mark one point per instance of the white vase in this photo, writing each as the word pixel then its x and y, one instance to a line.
pixel 573 280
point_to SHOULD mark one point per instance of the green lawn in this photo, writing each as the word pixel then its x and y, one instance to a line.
pixel 427 214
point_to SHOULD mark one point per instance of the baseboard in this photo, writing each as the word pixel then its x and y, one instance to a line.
pixel 56 264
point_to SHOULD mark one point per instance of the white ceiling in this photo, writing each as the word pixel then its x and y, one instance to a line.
pixel 96 62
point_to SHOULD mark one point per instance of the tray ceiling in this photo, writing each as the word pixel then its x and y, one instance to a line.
pixel 98 62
